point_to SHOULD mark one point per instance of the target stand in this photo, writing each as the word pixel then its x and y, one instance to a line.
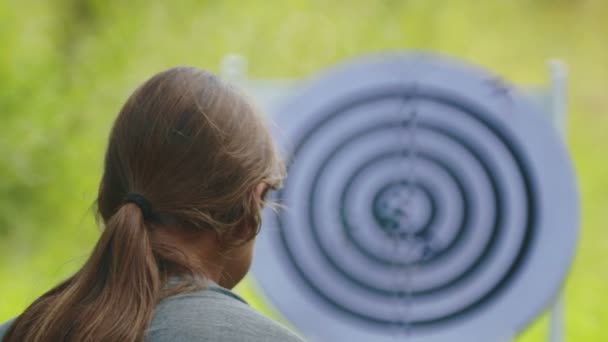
pixel 427 200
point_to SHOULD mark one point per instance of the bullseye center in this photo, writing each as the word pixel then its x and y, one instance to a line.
pixel 401 208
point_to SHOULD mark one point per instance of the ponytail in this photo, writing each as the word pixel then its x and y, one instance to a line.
pixel 111 298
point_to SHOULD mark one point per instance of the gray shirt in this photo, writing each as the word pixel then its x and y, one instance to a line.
pixel 4 328
pixel 212 314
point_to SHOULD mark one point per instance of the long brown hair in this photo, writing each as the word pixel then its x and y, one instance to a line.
pixel 195 149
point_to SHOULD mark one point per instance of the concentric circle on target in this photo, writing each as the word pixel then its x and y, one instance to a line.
pixel 418 199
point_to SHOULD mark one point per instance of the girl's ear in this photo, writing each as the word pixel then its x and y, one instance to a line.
pixel 250 230
pixel 261 191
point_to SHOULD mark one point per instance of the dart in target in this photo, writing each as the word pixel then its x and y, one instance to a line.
pixel 424 199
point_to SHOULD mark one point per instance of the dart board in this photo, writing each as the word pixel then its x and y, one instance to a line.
pixel 426 200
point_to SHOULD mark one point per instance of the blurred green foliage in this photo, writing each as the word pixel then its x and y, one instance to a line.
pixel 66 66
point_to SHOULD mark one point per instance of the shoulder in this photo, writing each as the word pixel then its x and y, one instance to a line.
pixel 213 315
pixel 4 328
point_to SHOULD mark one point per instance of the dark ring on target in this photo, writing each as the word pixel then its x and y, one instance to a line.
pixel 349 229
pixel 364 283
pixel 351 178
pixel 514 150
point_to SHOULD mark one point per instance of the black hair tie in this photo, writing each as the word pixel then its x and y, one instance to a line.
pixel 142 203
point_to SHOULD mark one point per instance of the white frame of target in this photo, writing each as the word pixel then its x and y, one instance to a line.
pixel 553 99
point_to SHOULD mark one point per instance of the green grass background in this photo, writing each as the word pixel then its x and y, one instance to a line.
pixel 66 66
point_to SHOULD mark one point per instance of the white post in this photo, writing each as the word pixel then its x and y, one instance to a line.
pixel 559 95
pixel 234 68
pixel 559 111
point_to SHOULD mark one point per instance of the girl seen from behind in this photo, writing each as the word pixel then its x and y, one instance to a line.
pixel 187 168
